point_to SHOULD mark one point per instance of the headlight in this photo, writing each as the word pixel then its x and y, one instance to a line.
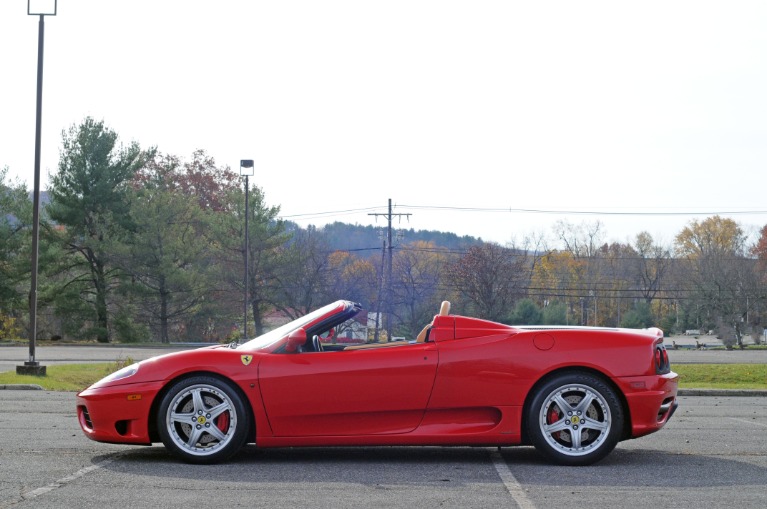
pixel 119 374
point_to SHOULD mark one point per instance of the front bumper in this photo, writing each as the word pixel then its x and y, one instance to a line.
pixel 117 414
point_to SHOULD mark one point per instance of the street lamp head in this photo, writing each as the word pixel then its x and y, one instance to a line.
pixel 246 167
pixel 41 7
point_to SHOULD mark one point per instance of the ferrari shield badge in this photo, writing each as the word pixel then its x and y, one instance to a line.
pixel 246 359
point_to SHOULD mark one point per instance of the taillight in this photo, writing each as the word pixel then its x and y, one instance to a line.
pixel 662 364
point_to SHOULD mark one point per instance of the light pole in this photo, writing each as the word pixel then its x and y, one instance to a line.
pixel 40 8
pixel 246 170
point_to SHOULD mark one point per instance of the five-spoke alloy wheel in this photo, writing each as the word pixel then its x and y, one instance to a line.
pixel 575 419
pixel 202 419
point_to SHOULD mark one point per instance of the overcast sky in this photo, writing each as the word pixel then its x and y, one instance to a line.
pixel 482 118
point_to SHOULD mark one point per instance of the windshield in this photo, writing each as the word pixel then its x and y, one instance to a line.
pixel 282 331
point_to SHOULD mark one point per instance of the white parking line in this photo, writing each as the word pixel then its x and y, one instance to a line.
pixel 65 480
pixel 512 485
pixel 749 422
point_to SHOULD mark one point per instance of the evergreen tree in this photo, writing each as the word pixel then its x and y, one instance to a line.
pixel 267 237
pixel 89 199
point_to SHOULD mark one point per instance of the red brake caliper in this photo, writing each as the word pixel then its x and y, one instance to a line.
pixel 552 417
pixel 222 422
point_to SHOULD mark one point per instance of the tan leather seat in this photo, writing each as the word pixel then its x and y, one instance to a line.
pixel 444 310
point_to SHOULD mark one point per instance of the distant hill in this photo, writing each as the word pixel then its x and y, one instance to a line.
pixel 358 238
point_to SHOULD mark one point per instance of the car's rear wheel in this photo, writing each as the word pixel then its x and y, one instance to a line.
pixel 575 419
pixel 202 419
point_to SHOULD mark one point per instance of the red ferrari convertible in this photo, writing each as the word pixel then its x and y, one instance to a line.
pixel 572 392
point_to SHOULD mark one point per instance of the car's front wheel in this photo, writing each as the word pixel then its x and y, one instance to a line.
pixel 202 419
pixel 575 419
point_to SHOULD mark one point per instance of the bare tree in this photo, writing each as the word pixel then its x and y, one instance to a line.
pixel 722 276
pixel 416 274
pixel 492 278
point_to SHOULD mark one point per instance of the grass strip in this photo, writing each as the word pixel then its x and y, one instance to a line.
pixel 75 377
pixel 67 377
pixel 721 376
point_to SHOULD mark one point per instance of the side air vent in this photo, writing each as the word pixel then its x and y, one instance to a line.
pixel 85 418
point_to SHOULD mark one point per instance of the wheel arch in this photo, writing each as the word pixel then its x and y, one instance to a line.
pixel 154 409
pixel 625 432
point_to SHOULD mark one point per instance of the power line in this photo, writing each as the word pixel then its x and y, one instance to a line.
pixel 585 212
pixel 510 210
pixel 328 213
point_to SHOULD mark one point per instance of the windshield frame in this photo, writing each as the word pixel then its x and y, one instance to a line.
pixel 281 332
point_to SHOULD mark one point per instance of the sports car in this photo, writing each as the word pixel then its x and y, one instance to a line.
pixel 571 392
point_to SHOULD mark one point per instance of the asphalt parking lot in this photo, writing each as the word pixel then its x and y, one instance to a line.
pixel 713 453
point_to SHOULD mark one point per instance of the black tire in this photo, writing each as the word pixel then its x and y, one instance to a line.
pixel 203 420
pixel 575 419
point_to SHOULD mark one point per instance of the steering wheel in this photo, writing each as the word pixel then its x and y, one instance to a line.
pixel 316 343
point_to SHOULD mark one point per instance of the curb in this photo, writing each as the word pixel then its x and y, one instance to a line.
pixel 721 392
pixel 21 387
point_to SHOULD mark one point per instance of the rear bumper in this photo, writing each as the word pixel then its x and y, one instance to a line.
pixel 651 401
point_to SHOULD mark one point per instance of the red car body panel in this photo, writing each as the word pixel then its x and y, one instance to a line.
pixel 468 384
pixel 359 392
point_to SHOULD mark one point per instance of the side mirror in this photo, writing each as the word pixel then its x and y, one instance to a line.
pixel 296 340
pixel 328 335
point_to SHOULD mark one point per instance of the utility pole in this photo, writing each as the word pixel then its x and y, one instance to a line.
pixel 380 290
pixel 388 245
